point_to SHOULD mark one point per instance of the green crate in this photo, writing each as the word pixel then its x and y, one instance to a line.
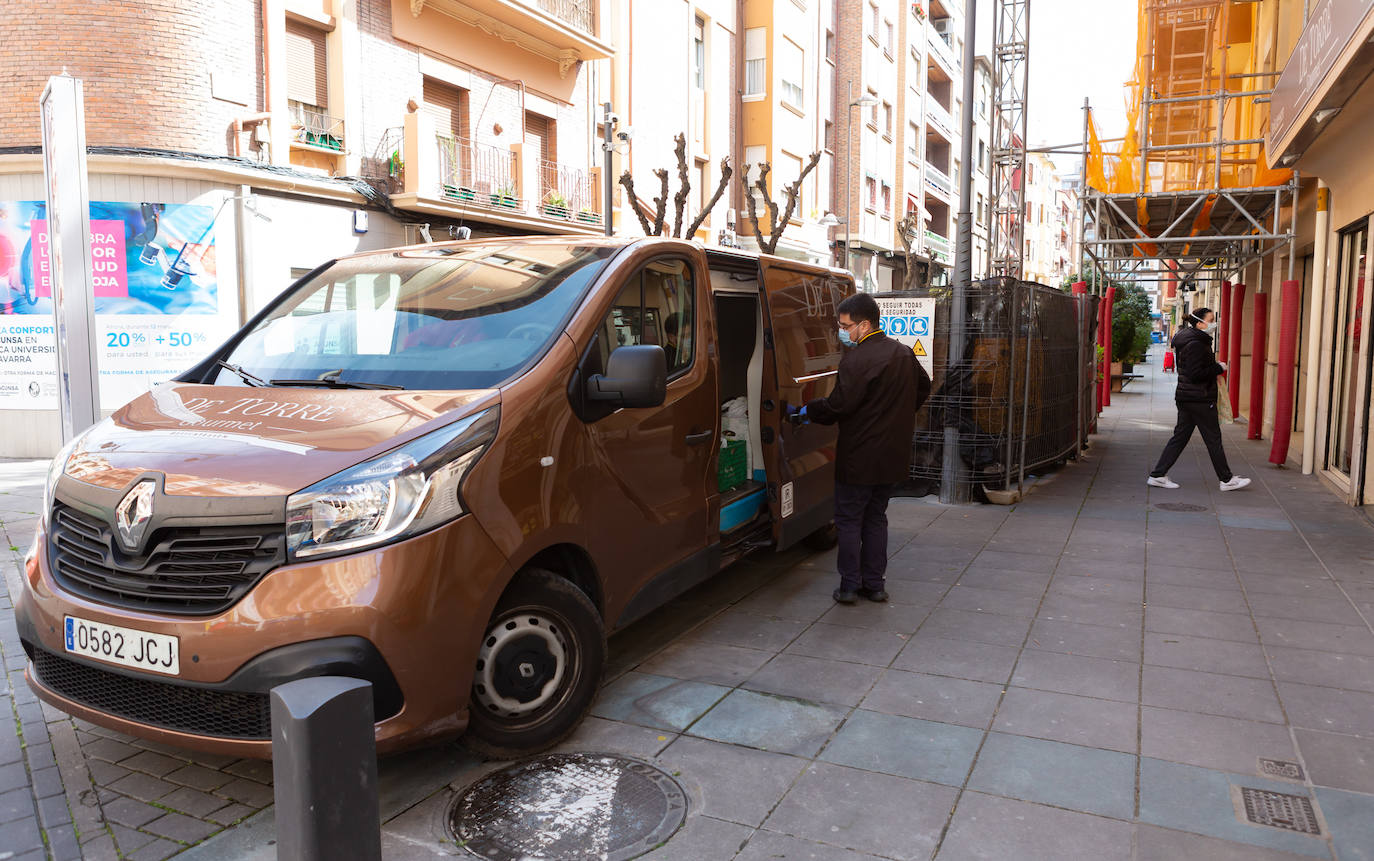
pixel 734 465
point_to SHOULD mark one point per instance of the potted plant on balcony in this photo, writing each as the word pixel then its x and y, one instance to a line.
pixel 556 205
pixel 459 192
pixel 504 197
pixel 587 216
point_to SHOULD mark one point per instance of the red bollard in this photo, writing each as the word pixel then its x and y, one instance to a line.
pixel 1104 370
pixel 1259 348
pixel 1223 313
pixel 1283 390
pixel 1233 352
pixel 1107 355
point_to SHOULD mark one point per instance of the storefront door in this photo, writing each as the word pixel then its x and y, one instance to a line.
pixel 1349 397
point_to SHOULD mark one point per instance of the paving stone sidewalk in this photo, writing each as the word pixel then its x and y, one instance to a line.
pixel 1095 673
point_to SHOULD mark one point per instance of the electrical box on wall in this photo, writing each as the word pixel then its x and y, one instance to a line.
pixel 359 221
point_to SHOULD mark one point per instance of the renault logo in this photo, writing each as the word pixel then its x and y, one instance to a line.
pixel 134 512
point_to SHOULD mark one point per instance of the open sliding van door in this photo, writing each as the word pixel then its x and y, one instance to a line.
pixel 801 359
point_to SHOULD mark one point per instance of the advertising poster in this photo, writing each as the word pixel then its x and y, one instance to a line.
pixel 158 306
pixel 911 322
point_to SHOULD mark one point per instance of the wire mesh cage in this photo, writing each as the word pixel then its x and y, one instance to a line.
pixel 1021 397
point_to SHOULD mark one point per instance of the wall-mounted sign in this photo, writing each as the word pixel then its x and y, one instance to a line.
pixel 1330 27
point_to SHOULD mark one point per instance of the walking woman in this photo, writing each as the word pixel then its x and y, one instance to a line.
pixel 1196 398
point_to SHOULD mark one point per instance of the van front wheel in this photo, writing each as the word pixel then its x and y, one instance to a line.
pixel 538 667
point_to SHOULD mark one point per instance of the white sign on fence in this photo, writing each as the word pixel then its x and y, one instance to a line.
pixel 911 322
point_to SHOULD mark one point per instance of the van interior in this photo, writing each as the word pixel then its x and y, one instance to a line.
pixel 739 335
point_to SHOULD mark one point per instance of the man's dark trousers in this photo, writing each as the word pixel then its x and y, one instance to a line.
pixel 861 519
pixel 1203 417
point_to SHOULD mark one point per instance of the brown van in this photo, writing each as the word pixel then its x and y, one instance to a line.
pixel 447 469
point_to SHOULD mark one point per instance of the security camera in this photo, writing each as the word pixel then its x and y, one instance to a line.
pixel 626 133
pixel 613 119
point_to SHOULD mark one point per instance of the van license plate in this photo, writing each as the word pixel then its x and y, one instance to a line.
pixel 158 653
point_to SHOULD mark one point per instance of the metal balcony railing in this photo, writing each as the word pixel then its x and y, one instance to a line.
pixel 566 192
pixel 477 173
pixel 940 118
pixel 579 13
pixel 939 180
pixel 944 51
pixel 939 247
pixel 312 127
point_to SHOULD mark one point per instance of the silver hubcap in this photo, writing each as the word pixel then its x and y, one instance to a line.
pixel 507 634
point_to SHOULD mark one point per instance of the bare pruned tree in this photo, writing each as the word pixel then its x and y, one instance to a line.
pixel 776 225
pixel 906 233
pixel 658 226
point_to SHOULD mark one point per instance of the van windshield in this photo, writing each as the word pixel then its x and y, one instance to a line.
pixel 461 317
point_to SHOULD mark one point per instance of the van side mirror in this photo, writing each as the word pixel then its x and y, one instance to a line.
pixel 636 376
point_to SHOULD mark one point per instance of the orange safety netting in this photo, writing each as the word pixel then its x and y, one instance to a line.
pixel 1208 65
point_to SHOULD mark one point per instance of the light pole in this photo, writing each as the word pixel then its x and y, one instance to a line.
pixel 865 101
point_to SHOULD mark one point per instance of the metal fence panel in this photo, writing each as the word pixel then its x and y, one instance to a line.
pixel 1022 398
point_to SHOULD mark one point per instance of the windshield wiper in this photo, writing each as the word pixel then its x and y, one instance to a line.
pixel 330 380
pixel 248 378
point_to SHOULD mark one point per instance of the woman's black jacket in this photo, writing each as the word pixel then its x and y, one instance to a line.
pixel 1198 369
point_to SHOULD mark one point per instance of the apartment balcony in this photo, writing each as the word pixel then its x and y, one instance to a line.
pixel 943 53
pixel 313 129
pixel 512 186
pixel 939 181
pixel 939 248
pixel 938 118
pixel 563 30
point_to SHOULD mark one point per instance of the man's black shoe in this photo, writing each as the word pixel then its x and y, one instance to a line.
pixel 843 596
pixel 878 595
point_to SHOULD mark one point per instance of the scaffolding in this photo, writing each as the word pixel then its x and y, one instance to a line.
pixel 1007 183
pixel 1188 199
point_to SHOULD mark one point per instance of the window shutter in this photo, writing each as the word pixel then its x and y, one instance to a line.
pixel 307 72
pixel 539 130
pixel 446 105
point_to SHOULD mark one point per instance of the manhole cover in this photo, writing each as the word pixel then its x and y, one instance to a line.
pixel 1279 810
pixel 1179 506
pixel 569 807
pixel 1281 768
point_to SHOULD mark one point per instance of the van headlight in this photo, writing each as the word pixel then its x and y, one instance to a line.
pixel 404 492
pixel 56 467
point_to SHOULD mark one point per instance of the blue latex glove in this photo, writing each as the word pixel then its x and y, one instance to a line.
pixel 797 415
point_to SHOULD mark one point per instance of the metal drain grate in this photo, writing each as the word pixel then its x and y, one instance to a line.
pixel 569 807
pixel 1281 768
pixel 1279 810
pixel 1179 506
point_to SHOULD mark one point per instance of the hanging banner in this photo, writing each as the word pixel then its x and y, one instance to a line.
pixel 910 321
pixel 158 308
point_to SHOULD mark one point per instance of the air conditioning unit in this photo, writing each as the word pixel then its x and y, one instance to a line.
pixel 943 26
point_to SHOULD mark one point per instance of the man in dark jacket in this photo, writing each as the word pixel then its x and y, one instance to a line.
pixel 1196 398
pixel 880 386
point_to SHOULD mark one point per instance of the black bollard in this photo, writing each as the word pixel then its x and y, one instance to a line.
pixel 324 770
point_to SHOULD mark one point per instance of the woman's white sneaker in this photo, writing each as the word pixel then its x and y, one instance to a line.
pixel 1236 483
pixel 1163 481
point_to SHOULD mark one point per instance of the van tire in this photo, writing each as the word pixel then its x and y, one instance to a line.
pixel 547 619
pixel 823 539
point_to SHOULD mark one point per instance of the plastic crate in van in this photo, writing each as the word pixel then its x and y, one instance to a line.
pixel 733 465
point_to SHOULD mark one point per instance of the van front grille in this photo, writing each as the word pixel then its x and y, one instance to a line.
pixel 202 711
pixel 185 570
